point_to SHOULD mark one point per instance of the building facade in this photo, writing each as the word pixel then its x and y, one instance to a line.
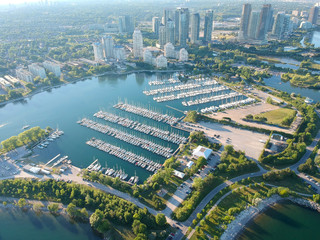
pixel 155 25
pixel 264 22
pixel 108 46
pixel 119 53
pixel 183 55
pixel 161 62
pixel 208 22
pixel 24 75
pixel 98 51
pixel 169 31
pixel 245 19
pixel 195 27
pixel 169 51
pixel 147 56
pixel 36 70
pixel 313 16
pixel 182 25
pixel 137 44
pixel 52 67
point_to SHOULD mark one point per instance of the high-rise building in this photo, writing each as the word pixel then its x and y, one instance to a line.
pixel 176 26
pixel 182 21
pixel 119 53
pixel 208 21
pixel 166 16
pixel 195 27
pixel 253 24
pixel 98 51
pixel 137 44
pixel 169 50
pixel 108 46
pixel 147 56
pixel 52 67
pixel 155 25
pixel 169 31
pixel 126 24
pixel 36 70
pixel 278 25
pixel 264 21
pixel 24 75
pixel 245 19
pixel 282 26
pixel 162 35
pixel 313 16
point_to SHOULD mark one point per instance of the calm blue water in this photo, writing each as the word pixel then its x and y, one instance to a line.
pixel 285 221
pixel 64 106
pixel 18 225
pixel 275 82
pixel 316 39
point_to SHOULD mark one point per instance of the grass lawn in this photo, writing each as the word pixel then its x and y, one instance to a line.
pixel 277 116
pixel 294 184
pixel 121 233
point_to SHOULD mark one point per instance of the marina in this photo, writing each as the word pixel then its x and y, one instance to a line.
pixel 149 130
pixel 62 107
pixel 187 94
pixel 230 96
pixel 177 87
pixel 147 113
pixel 228 105
pixel 130 157
pixel 143 143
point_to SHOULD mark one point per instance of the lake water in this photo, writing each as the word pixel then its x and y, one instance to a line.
pixel 275 82
pixel 285 221
pixel 316 39
pixel 18 225
pixel 62 107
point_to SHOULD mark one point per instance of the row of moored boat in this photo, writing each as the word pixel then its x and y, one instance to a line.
pixel 125 155
pixel 143 143
pixel 153 131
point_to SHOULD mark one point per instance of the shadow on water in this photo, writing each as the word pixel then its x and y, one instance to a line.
pixel 253 232
pixel 275 214
pixel 68 224
pixel 140 78
pixel 36 221
pixel 49 221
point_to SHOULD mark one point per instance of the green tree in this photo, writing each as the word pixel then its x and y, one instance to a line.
pixel 53 207
pixel 22 202
pixel 161 219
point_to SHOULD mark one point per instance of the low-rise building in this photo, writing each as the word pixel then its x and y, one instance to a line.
pixel 119 53
pixel 147 56
pixel 201 151
pixel 169 51
pixel 183 55
pixel 161 62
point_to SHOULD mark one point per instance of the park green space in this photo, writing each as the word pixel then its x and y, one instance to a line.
pixel 280 116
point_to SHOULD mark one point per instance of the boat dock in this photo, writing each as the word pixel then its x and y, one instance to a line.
pixel 52 160
pixel 147 113
pixel 131 139
pixel 125 155
pixel 149 130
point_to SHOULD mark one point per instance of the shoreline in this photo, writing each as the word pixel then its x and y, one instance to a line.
pixel 46 88
pixel 237 226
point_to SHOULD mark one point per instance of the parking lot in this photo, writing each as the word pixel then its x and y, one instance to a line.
pixel 252 143
pixel 7 169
